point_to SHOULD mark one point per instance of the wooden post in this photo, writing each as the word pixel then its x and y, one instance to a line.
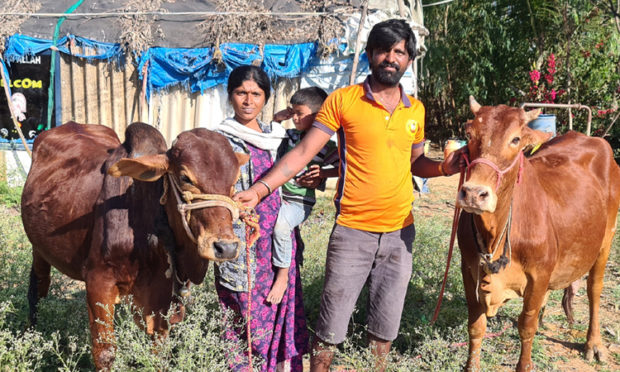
pixel 2 167
pixel 358 41
pixel 401 8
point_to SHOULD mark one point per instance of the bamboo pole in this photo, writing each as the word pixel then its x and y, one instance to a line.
pixel 9 102
pixel 401 8
pixel 358 41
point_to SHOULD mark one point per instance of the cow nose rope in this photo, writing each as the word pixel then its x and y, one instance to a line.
pixel 185 208
pixel 455 221
pixel 499 172
pixel 248 216
pixel 252 233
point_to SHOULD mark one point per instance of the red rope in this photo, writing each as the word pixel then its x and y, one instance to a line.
pixel 252 233
pixel 455 223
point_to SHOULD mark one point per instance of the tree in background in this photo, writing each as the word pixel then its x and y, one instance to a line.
pixel 489 48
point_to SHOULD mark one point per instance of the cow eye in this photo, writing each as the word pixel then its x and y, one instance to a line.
pixel 186 179
pixel 516 140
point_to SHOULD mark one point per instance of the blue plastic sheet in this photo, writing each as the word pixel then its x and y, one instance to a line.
pixel 19 46
pixel 193 68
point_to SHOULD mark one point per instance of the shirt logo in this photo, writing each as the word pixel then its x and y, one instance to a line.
pixel 411 127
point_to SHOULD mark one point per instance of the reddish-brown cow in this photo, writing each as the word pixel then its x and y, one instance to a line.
pixel 558 209
pixel 85 217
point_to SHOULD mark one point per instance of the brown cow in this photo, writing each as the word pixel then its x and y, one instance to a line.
pixel 558 209
pixel 111 231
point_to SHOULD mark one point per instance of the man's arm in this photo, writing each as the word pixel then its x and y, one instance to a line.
pixel 424 167
pixel 286 168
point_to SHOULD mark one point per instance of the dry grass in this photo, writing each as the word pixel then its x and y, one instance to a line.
pixel 266 28
pixel 9 24
pixel 140 31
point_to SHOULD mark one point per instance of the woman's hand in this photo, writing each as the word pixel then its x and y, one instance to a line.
pixel 249 198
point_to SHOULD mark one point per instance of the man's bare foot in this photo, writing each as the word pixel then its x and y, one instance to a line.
pixel 279 286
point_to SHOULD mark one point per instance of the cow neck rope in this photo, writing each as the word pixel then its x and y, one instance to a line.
pixel 248 216
pixel 493 267
pixel 488 257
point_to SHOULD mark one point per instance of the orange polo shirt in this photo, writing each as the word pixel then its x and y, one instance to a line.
pixel 375 190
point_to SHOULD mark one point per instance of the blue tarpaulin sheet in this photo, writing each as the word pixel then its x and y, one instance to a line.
pixel 193 68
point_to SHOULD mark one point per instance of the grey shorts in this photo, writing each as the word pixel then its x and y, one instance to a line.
pixel 353 258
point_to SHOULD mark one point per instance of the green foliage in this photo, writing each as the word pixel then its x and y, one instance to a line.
pixel 486 49
pixel 193 345
pixel 61 340
pixel 10 196
pixel 477 48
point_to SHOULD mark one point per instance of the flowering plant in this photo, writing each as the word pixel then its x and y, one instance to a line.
pixel 542 90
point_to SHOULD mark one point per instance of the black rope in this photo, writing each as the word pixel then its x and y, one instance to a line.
pixel 503 261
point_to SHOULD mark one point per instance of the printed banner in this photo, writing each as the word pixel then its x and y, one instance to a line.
pixel 29 81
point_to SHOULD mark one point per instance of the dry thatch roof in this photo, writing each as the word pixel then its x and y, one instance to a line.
pixel 140 24
pixel 10 24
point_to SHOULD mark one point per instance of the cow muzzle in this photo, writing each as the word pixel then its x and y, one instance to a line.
pixel 473 198
pixel 218 250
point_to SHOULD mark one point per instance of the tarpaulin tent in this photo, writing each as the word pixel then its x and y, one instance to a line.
pixel 166 62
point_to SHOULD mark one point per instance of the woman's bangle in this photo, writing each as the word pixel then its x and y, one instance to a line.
pixel 266 185
pixel 441 170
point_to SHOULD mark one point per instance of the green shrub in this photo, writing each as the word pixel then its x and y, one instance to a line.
pixel 61 340
pixel 10 196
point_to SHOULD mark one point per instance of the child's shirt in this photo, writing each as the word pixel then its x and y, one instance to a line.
pixel 291 191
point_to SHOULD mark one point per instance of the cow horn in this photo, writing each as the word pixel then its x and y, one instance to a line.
pixel 473 105
pixel 531 115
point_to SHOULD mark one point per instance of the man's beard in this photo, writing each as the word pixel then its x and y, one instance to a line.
pixel 385 77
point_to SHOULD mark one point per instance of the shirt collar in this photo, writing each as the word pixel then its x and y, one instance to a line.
pixel 368 92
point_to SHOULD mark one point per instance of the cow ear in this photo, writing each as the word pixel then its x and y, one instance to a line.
pixel 532 139
pixel 242 158
pixel 531 115
pixel 145 168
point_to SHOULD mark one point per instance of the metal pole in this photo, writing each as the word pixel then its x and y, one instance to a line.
pixel 563 105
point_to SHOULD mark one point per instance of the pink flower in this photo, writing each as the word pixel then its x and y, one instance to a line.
pixel 549 78
pixel 553 94
pixel 535 76
pixel 551 64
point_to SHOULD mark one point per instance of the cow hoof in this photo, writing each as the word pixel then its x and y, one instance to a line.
pixel 596 351
pixel 525 367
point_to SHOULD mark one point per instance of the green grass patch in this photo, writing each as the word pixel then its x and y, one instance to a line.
pixel 61 340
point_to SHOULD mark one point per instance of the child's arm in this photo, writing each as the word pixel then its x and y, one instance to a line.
pixel 328 172
pixel 313 177
pixel 285 114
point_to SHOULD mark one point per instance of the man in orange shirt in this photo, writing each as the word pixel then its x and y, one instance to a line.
pixel 381 143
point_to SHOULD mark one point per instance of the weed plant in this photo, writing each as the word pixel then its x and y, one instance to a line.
pixel 61 339
pixel 10 196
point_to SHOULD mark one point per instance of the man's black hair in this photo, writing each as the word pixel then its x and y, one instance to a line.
pixel 387 33
pixel 249 72
pixel 312 97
